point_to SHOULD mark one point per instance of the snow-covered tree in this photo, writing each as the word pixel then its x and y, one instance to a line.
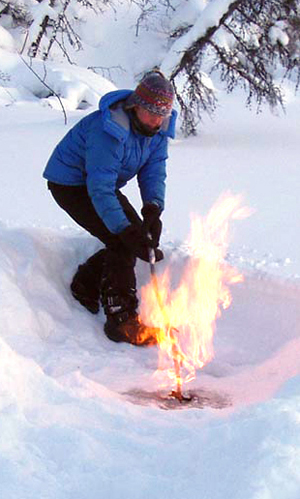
pixel 250 43
pixel 48 23
pixel 253 44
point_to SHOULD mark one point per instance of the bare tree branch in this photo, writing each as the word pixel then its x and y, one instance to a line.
pixel 46 85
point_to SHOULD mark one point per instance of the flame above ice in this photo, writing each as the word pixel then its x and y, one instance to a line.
pixel 187 314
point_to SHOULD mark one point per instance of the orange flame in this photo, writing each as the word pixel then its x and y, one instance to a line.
pixel 187 314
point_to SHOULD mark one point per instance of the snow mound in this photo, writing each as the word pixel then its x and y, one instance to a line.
pixel 25 79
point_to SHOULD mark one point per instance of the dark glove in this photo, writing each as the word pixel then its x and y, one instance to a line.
pixel 152 224
pixel 138 243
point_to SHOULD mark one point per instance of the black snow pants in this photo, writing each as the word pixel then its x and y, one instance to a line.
pixel 119 262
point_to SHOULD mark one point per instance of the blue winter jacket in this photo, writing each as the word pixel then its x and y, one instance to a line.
pixel 103 153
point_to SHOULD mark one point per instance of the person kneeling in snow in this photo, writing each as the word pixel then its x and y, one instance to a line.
pixel 126 137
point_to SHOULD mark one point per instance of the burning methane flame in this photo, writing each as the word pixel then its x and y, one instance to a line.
pixel 186 315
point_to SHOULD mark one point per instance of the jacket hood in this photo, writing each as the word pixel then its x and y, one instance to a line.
pixel 116 121
pixel 112 97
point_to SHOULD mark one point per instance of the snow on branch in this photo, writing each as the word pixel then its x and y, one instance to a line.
pixel 247 42
pixel 186 47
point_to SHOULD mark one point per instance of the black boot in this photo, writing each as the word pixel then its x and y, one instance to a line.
pixel 123 323
pixel 85 286
pixel 131 331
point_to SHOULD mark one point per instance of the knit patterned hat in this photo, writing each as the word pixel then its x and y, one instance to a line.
pixel 154 93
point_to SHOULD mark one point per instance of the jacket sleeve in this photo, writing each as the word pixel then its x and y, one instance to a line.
pixel 103 162
pixel 152 176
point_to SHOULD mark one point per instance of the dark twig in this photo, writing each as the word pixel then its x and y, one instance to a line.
pixel 47 86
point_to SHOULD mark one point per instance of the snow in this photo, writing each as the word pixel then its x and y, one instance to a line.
pixel 39 11
pixel 77 87
pixel 68 430
pixel 209 17
pixel 6 40
pixel 277 34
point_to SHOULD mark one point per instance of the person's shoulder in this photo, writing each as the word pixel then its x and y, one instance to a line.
pixel 90 119
pixel 112 98
pixel 112 121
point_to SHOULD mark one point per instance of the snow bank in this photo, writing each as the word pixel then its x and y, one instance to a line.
pixel 22 79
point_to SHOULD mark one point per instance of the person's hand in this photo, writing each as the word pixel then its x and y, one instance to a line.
pixel 152 224
pixel 137 242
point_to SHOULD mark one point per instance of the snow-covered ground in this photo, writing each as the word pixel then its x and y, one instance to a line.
pixel 67 429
